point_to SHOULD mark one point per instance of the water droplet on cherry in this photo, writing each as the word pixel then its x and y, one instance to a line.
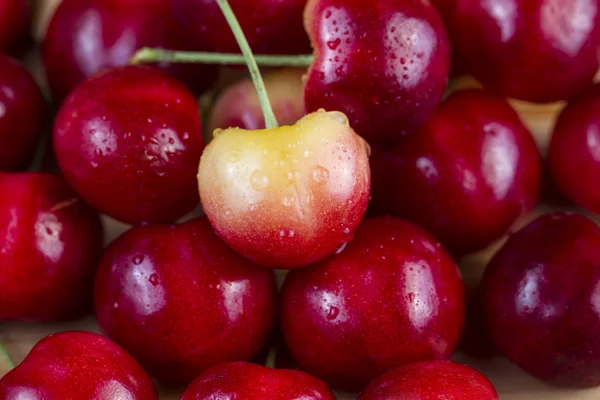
pixel 259 181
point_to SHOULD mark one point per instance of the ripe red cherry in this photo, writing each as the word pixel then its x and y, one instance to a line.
pixel 382 63
pixel 431 380
pixel 535 50
pixel 77 365
pixel 14 24
pixel 393 296
pixel 466 176
pixel 180 301
pixel 543 288
pixel 129 142
pixel 50 243
pixel 22 114
pixel 87 36
pixel 574 151
pixel 245 381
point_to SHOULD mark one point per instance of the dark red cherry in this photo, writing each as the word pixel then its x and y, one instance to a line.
pixel 86 36
pixel 180 301
pixel 431 380
pixel 535 50
pixel 15 21
pixel 245 381
pixel 393 296
pixel 50 243
pixel 465 176
pixel 542 302
pixel 77 365
pixel 382 63
pixel 129 141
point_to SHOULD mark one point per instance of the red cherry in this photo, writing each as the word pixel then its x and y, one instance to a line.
pixel 87 36
pixel 535 50
pixel 431 380
pixel 446 9
pixel 181 301
pixel 15 22
pixel 77 365
pixel 245 381
pixel 393 296
pixel 51 242
pixel 466 176
pixel 129 141
pixel 542 287
pixel 22 114
pixel 382 63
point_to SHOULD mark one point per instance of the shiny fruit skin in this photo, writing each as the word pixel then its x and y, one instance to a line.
pixel 129 141
pixel 535 50
pixel 466 176
pixel 75 366
pixel 542 287
pixel 180 301
pixel 23 113
pixel 431 380
pixel 15 22
pixel 393 296
pixel 383 63
pixel 50 244
pixel 290 196
pixel 245 381
pixel 573 154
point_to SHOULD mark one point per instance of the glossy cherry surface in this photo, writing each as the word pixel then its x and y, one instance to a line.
pixel 87 36
pixel 466 176
pixel 14 24
pixel 50 243
pixel 535 50
pixel 431 380
pixel 245 381
pixel 77 365
pixel 573 156
pixel 382 63
pixel 393 296
pixel 542 287
pixel 129 142
pixel 22 115
pixel 180 300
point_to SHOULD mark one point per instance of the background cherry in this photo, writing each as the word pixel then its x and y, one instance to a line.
pixel 15 21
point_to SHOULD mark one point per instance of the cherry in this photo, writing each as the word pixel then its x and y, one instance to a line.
pixel 542 288
pixel 15 22
pixel 245 381
pixel 87 36
pixel 466 176
pixel 50 244
pixel 77 365
pixel 446 9
pixel 22 114
pixel 573 153
pixel 384 64
pixel 535 50
pixel 431 380
pixel 393 296
pixel 129 141
pixel 180 301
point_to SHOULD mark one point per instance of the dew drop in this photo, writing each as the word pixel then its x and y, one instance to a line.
pixel 411 297
pixel 115 305
pixel 342 247
pixel 307 153
pixel 287 201
pixel 334 44
pixel 186 136
pixel 154 279
pixel 338 117
pixel 259 181
pixel 233 158
pixel 333 313
pixel 217 132
pixel 320 174
pixel 346 231
pixel 228 212
pixel 137 260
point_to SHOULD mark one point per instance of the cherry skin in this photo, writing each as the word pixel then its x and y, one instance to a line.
pixel 15 22
pixel 384 64
pixel 23 113
pixel 431 380
pixel 542 287
pixel 393 296
pixel 85 37
pixel 180 301
pixel 466 176
pixel 129 141
pixel 77 365
pixel 50 244
pixel 534 50
pixel 572 156
pixel 245 381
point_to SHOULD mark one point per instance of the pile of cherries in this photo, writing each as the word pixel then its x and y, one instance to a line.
pixel 369 197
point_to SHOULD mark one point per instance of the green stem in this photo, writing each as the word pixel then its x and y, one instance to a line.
pixel 40 153
pixel 270 120
pixel 151 55
pixel 5 357
pixel 271 361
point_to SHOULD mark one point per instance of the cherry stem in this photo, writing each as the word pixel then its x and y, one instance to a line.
pixel 152 55
pixel 259 84
pixel 40 153
pixel 6 357
pixel 271 361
